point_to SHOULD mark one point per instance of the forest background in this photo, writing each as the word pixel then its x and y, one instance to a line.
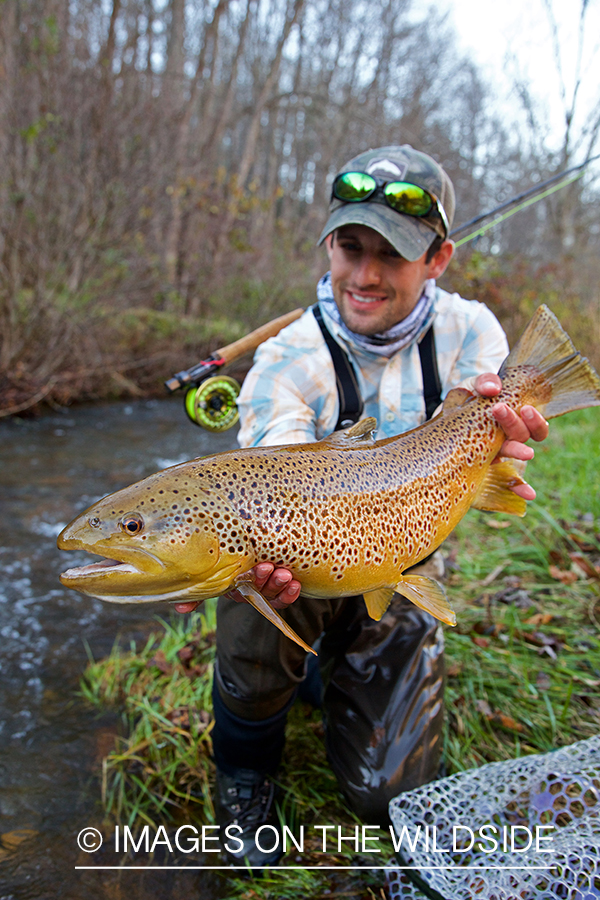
pixel 165 169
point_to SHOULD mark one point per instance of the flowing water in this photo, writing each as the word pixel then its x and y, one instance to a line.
pixel 51 743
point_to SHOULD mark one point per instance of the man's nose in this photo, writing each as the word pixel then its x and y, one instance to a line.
pixel 367 271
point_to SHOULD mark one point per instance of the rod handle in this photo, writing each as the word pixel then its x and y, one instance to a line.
pixel 252 340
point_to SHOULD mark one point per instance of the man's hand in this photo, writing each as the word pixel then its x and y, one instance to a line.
pixel 278 586
pixel 518 429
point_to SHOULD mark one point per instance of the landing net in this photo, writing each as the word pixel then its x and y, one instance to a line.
pixel 514 799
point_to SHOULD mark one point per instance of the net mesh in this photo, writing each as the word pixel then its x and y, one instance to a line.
pixel 559 789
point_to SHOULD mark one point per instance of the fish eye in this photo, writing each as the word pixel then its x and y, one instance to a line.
pixel 94 522
pixel 132 523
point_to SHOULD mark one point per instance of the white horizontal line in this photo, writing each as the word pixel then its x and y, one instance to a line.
pixel 304 868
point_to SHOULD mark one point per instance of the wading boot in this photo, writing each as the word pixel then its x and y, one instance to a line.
pixel 245 802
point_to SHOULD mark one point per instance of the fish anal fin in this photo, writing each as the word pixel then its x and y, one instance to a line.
pixel 455 398
pixel 256 599
pixel 358 435
pixel 494 494
pixel 429 595
pixel 377 601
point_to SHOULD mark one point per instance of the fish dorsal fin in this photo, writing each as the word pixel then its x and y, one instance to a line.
pixel 429 595
pixel 378 601
pixel 494 494
pixel 256 599
pixel 358 435
pixel 455 398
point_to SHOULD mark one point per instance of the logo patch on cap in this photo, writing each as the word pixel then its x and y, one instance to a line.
pixel 387 169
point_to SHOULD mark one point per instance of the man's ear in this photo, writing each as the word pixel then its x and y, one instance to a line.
pixel 329 243
pixel 440 261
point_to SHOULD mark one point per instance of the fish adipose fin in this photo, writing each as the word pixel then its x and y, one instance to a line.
pixel 378 601
pixel 572 380
pixel 495 495
pixel 429 595
pixel 358 435
pixel 256 599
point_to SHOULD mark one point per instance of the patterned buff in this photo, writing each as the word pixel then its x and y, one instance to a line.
pixel 397 337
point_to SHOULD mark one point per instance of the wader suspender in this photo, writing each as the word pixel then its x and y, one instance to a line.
pixel 351 405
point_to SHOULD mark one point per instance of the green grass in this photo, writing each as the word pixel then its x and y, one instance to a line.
pixel 523 674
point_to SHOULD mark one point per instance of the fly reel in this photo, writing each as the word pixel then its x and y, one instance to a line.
pixel 213 404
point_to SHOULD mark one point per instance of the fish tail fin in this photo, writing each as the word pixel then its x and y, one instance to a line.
pixel 572 379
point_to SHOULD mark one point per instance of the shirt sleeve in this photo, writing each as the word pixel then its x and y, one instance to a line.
pixel 484 349
pixel 289 395
pixel 273 411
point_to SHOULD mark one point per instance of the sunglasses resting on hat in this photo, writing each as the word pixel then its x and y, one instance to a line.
pixel 401 196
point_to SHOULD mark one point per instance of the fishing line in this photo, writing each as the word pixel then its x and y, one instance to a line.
pixel 480 231
pixel 528 202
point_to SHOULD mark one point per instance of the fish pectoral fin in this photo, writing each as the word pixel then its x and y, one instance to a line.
pixel 360 434
pixel 256 599
pixel 378 601
pixel 429 595
pixel 494 494
pixel 456 398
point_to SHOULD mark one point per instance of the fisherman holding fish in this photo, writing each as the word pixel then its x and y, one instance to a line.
pixel 384 341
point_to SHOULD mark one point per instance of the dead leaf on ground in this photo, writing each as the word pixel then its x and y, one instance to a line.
pixel 497 523
pixel 480 641
pixel 583 563
pixel 542 681
pixel 539 619
pixel 562 575
pixel 484 708
pixel 454 670
pixel 497 717
pixel 160 661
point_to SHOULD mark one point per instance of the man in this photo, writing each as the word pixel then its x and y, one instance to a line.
pixel 379 308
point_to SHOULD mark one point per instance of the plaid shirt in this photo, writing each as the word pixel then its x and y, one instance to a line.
pixel 290 395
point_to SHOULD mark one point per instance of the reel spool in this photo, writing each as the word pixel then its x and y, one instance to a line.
pixel 213 405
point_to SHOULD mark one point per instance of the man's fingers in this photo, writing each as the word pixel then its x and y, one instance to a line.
pixel 185 607
pixel 287 596
pixel 517 450
pixel 512 424
pixel 530 424
pixel 535 422
pixel 524 490
pixel 488 385
pixel 261 573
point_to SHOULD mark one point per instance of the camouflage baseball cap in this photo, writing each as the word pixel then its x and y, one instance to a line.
pixel 410 236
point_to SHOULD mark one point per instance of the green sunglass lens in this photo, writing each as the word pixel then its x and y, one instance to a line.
pixel 354 186
pixel 408 198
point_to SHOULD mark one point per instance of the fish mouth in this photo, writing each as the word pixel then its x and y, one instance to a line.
pixel 98 568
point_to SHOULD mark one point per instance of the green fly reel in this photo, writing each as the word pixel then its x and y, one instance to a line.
pixel 213 404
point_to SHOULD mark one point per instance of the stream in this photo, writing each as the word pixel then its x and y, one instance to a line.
pixel 51 742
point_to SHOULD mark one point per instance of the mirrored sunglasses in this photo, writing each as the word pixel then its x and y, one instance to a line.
pixel 402 196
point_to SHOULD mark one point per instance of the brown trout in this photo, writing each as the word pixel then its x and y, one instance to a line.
pixel 347 515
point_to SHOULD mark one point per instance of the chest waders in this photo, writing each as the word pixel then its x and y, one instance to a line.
pixel 380 684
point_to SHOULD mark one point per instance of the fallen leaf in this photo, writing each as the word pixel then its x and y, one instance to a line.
pixel 566 577
pixel 542 680
pixel 484 708
pixel 480 641
pixel 582 563
pixel 507 721
pixel 497 523
pixel 497 717
pixel 159 660
pixel 454 670
pixel 539 619
pixel 186 653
